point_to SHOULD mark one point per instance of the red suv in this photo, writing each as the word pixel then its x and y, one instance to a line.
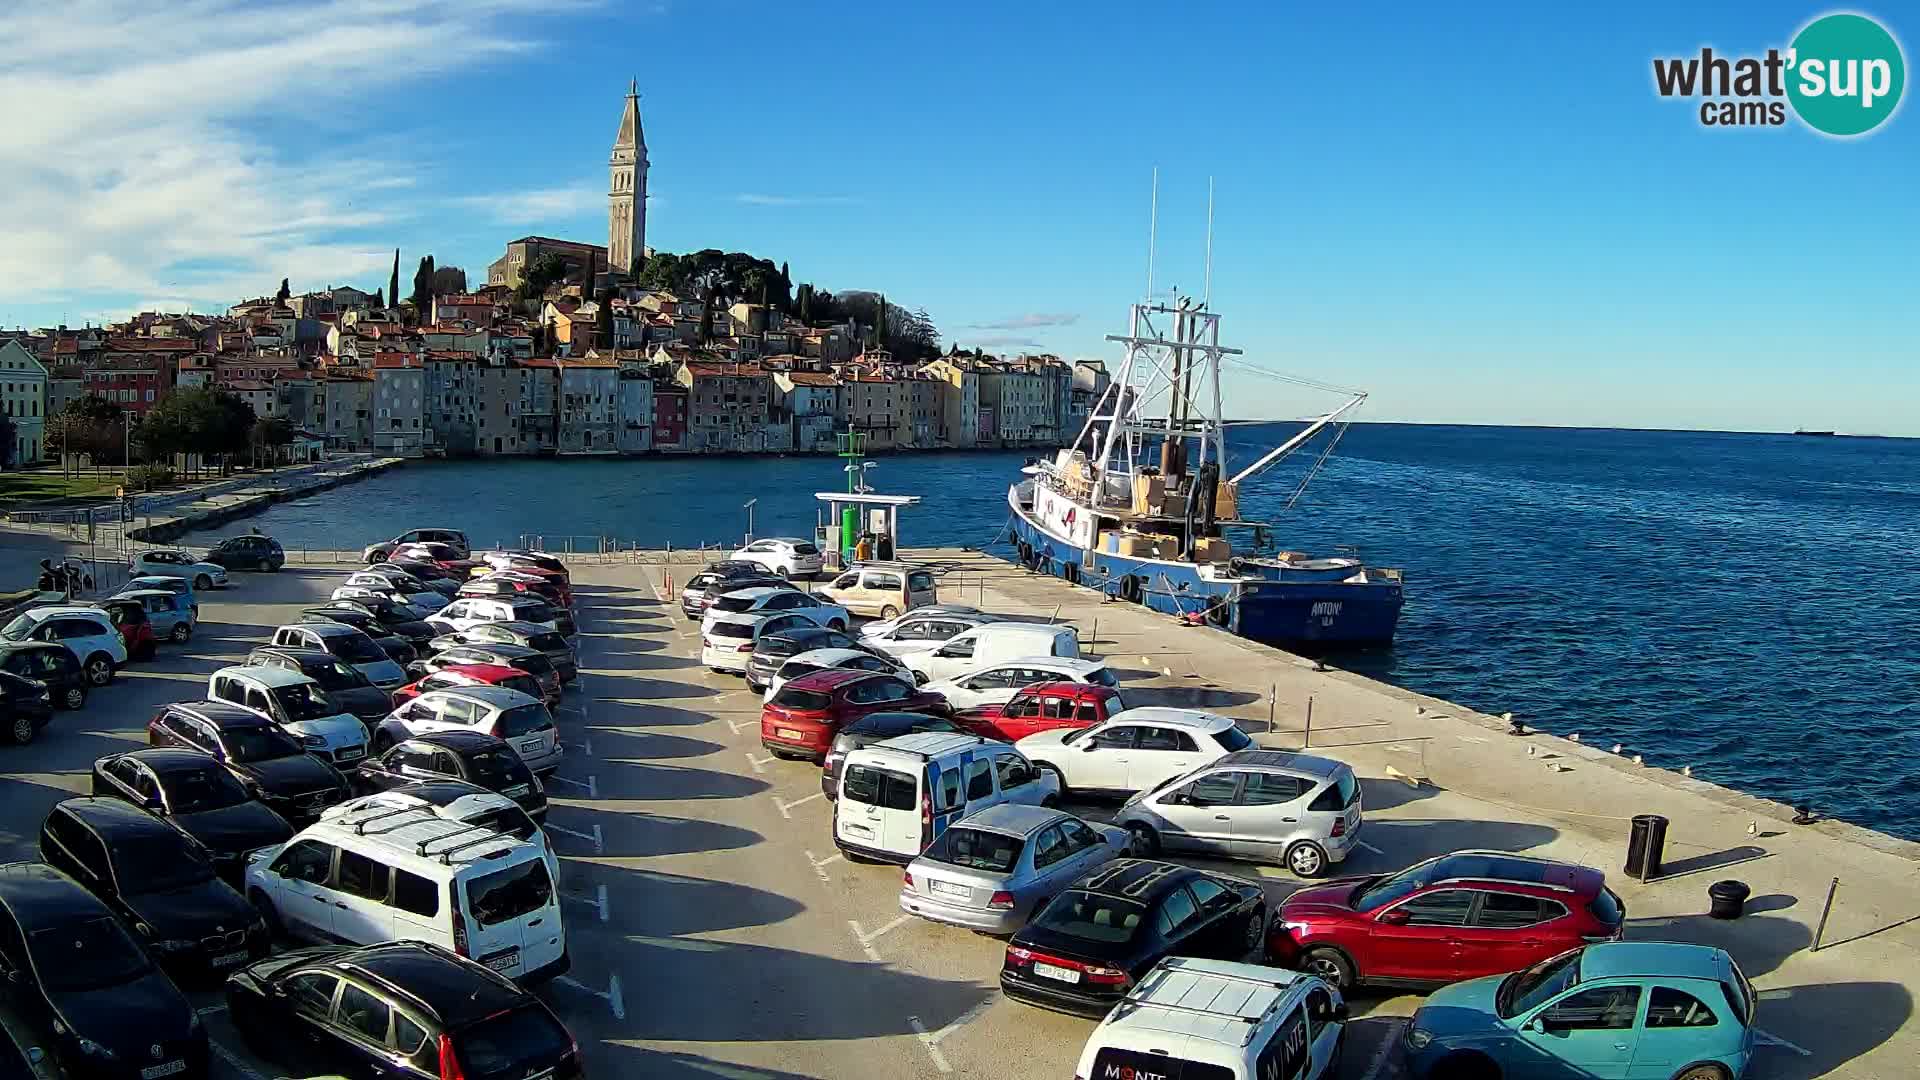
pixel 803 718
pixel 1042 707
pixel 1460 916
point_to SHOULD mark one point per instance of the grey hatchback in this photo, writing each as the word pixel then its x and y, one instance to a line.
pixel 991 871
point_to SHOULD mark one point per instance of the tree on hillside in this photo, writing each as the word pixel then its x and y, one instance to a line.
pixel 281 296
pixel 393 283
pixel 603 320
pixel 379 298
pixel 422 295
pixel 540 275
pixel 803 305
pixel 449 281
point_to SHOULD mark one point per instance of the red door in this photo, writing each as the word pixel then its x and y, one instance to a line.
pixel 1420 938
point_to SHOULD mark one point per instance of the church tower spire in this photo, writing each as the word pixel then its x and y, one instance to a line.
pixel 627 190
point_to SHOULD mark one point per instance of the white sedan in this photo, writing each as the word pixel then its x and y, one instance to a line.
pixel 786 555
pixel 813 660
pixel 770 599
pixel 175 563
pixel 996 684
pixel 1135 750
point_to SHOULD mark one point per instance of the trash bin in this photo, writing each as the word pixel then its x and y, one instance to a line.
pixel 1729 899
pixel 1646 846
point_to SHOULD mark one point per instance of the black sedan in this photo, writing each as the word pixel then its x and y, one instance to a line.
pixel 397 648
pixel 272 765
pixel 197 795
pixel 250 552
pixel 870 729
pixel 437 577
pixel 50 663
pixel 25 707
pixel 344 684
pixel 396 619
pixel 772 650
pixel 158 881
pixel 457 1018
pixel 474 756
pixel 1096 940
pixel 81 984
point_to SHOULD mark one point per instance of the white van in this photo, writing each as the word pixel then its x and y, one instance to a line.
pixel 992 643
pixel 897 795
pixel 299 706
pixel 386 873
pixel 1225 1021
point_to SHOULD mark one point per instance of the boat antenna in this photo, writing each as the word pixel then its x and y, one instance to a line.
pixel 1207 296
pixel 1153 227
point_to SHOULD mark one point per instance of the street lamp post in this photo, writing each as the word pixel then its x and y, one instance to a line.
pixel 748 507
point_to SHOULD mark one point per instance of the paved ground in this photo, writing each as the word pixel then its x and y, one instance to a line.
pixel 715 933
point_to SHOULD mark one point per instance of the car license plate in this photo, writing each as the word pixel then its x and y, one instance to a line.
pixel 786 733
pixel 227 959
pixel 350 753
pixel 165 1068
pixel 515 791
pixel 1060 973
pixel 505 964
pixel 531 746
pixel 948 889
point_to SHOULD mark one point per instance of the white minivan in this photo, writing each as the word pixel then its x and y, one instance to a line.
pixel 387 873
pixel 1191 1017
pixel 896 796
pixel 992 643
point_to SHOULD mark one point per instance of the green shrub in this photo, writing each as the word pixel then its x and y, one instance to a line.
pixel 149 477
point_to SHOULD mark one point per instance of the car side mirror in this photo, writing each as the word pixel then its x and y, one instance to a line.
pixel 1395 917
pixel 153 802
pixel 1179 798
pixel 1088 747
pixel 1537 1025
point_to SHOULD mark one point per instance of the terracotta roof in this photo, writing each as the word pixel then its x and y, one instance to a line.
pixel 584 362
pixel 243 384
pixel 811 378
pixel 395 360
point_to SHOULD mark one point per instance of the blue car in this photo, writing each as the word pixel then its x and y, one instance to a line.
pixel 1623 1010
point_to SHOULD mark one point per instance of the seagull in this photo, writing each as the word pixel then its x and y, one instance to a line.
pixel 1686 770
pixel 1575 737
pixel 1420 710
pixel 1618 747
pixel 1753 828
pixel 1532 750
pixel 1637 760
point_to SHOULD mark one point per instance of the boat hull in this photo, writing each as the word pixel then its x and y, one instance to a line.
pixel 1303 615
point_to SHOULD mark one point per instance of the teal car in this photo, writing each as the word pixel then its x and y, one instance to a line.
pixel 1620 1010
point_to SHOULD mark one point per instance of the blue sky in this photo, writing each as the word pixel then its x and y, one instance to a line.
pixel 1480 215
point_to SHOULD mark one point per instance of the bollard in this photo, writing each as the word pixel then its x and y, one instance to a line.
pixel 1273 694
pixel 1309 737
pixel 1820 931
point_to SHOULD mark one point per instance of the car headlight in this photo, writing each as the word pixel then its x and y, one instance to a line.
pixel 95 1050
pixel 173 945
pixel 312 740
pixel 1418 1037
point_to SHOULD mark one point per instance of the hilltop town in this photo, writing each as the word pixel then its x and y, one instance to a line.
pixel 568 348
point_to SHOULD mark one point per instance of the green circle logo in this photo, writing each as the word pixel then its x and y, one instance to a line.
pixel 1846 74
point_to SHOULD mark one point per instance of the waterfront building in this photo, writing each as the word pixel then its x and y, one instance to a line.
pixel 812 402
pixel 498 393
pixel 135 383
pixel 957 401
pixel 344 400
pixel 589 406
pixel 23 395
pixel 635 411
pixel 540 406
pixel 727 405
pixel 399 411
pixel 452 388
pixel 65 383
pixel 669 416
pixel 876 406
pixel 1020 403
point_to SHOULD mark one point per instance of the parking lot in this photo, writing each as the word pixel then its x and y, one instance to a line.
pixel 715 932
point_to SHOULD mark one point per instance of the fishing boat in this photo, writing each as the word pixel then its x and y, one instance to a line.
pixel 1141 506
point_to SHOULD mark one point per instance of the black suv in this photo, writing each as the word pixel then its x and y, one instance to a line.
pixel 272 764
pixel 250 552
pixel 773 650
pixel 84 987
pixel 50 663
pixel 197 795
pixel 390 617
pixel 158 880
pixel 25 708
pixel 402 1008
pixel 345 685
pixel 480 759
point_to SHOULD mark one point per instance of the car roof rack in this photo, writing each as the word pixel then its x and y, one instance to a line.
pixel 1135 999
pixel 393 818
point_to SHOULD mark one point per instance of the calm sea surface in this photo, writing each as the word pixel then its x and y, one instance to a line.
pixel 1747 604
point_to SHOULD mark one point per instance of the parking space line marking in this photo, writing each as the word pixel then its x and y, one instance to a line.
pixel 868 939
pixel 820 866
pixel 759 763
pixel 591 784
pixel 932 1047
pixel 1364 846
pixel 1381 1055
pixel 599 846
pixel 611 995
pixel 579 709
pixel 961 1021
pixel 787 806
pixel 233 1061
pixel 866 945
pixel 740 725
pixel 1771 1039
pixel 598 901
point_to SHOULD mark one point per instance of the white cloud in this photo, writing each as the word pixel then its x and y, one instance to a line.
pixel 540 205
pixel 138 144
pixel 1004 341
pixel 1030 321
pixel 795 200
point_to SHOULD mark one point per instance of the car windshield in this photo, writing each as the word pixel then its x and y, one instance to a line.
pixel 1103 676
pixel 778 645
pixel 1232 740
pixel 509 893
pixel 808 700
pixel 732 630
pixel 1529 989
pixel 355 648
pixel 507 819
pixel 517 1043
pixel 18 629
pixel 536 666
pixel 156 864
pixel 203 789
pixel 497 769
pixel 977 849
pixel 1092 917
pixel 526 684
pixel 1385 890
pixel 303 701
pixel 522 720
pixel 532 611
pixel 90 954
pixel 734 603
pixel 336 675
pixel 262 743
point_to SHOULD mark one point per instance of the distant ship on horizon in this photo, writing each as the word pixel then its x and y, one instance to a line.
pixel 1804 431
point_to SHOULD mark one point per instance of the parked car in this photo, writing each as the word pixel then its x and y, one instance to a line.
pixel 1226 1021
pixel 476 757
pixel 158 880
pixel 813 658
pixel 524 559
pixel 298 706
pixel 345 685
pixel 702 588
pixel 519 657
pixel 270 763
pixel 926 628
pixel 129 616
pixel 771 650
pixel 177 563
pixel 399 585
pixel 883 590
pixel 85 631
pixel 432 575
pixel 451 1017
pixel 545 639
pixel 453 538
pixel 411 875
pixel 445 556
pixel 770 600
pixel 555 586
pixel 993 644
pixel 21 1056
pixel 788 556
pixel 996 682
pixel 167 615
pixel 80 983
pixel 1137 750
pixel 52 666
pixel 1044 706
pixel 1293 810
pixel 468 612
pixel 520 719
pixel 802 719
pixel 455 800
pixel 726 641
pixel 178 586
pixel 195 794
pixel 869 729
pixel 250 552
pixel 458 675
pixel 391 618
pixel 1094 942
pixel 507 585
pixel 991 870
pixel 898 796
pixel 346 643
pixel 1608 1011
pixel 26 706
pixel 1460 916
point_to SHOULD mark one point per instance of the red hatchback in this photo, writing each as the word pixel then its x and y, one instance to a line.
pixel 1042 707
pixel 470 675
pixel 1460 916
pixel 803 718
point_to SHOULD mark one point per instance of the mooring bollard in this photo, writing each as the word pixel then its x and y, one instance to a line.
pixel 1820 931
pixel 1308 741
